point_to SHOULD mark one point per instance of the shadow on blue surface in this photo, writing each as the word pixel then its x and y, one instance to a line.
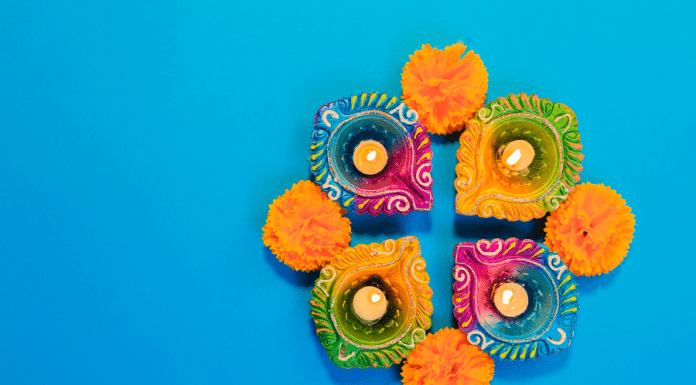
pixel 445 139
pixel 397 224
pixel 489 228
pixel 417 222
pixel 592 284
pixel 530 369
pixel 297 278
pixel 381 224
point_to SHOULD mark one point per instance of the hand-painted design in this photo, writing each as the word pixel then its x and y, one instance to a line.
pixel 551 129
pixel 398 269
pixel 404 185
pixel 319 168
pixel 545 327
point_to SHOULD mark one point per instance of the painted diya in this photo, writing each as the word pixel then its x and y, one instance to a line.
pixel 518 159
pixel 513 299
pixel 370 153
pixel 371 305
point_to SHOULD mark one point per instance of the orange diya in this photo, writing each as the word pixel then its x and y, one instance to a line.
pixel 518 159
pixel 371 305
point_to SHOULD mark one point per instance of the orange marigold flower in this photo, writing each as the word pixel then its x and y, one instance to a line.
pixel 304 228
pixel 447 358
pixel 592 230
pixel 445 88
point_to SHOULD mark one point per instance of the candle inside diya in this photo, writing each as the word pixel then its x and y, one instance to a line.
pixel 518 159
pixel 517 155
pixel 369 304
pixel 510 299
pixel 370 157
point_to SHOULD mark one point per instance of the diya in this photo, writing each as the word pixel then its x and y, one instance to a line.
pixel 513 299
pixel 370 154
pixel 518 159
pixel 371 305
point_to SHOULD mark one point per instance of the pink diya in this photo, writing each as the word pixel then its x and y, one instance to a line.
pixel 513 299
pixel 371 305
pixel 370 154
pixel 518 159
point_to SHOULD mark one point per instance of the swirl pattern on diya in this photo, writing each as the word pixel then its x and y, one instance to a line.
pixel 403 185
pixel 550 128
pixel 399 270
pixel 544 326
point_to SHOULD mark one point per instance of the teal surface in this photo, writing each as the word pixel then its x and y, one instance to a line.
pixel 141 143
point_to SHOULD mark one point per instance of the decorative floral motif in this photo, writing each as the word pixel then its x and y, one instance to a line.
pixel 445 88
pixel 482 190
pixel 404 185
pixel 592 230
pixel 398 269
pixel 304 229
pixel 545 327
pixel 446 357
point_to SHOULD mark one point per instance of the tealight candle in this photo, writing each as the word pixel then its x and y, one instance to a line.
pixel 370 304
pixel 518 155
pixel 510 299
pixel 370 157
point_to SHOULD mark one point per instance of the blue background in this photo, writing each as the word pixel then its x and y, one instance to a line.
pixel 141 143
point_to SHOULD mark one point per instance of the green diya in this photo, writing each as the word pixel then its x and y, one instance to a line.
pixel 518 159
pixel 371 305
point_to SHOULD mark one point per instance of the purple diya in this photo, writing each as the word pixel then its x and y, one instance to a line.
pixel 370 154
pixel 513 299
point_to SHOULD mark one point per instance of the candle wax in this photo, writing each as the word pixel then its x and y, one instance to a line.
pixel 369 304
pixel 518 155
pixel 370 157
pixel 510 299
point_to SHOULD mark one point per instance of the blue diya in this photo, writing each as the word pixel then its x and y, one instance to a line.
pixel 370 154
pixel 513 299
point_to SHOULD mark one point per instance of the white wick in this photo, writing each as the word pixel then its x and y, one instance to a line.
pixel 514 158
pixel 507 295
pixel 376 298
pixel 372 155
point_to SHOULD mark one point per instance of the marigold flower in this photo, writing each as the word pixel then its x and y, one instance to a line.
pixel 447 358
pixel 445 88
pixel 304 228
pixel 591 230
